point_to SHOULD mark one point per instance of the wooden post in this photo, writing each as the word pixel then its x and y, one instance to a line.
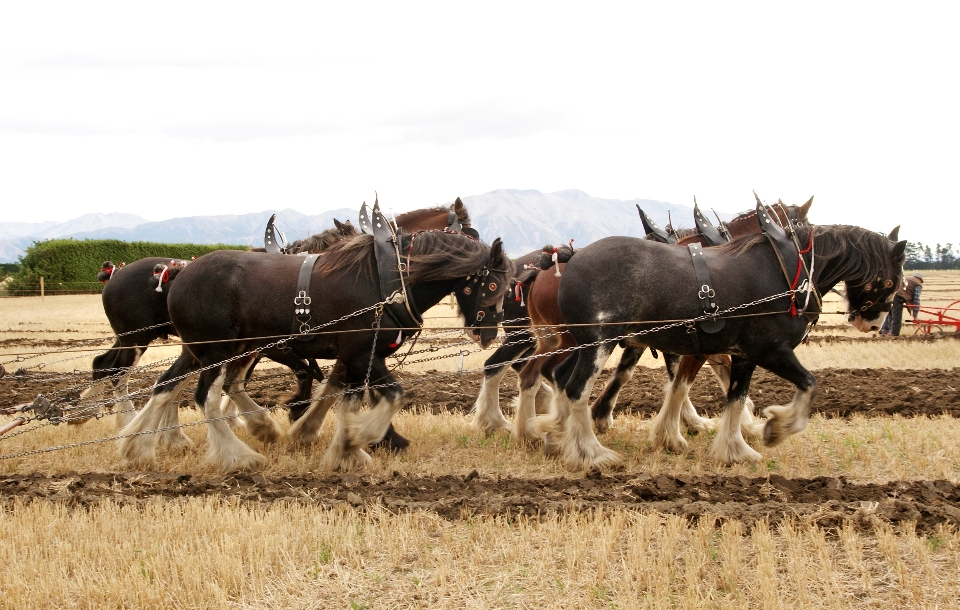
pixel 41 288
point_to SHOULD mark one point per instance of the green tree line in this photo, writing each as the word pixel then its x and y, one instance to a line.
pixel 70 265
pixel 922 256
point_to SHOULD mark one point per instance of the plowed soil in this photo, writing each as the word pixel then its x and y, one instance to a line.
pixel 842 392
pixel 826 501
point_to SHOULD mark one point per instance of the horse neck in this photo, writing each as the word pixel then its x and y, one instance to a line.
pixel 428 294
pixel 423 220
pixel 749 225
pixel 830 269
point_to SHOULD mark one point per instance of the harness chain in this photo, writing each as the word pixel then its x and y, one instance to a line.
pixel 675 324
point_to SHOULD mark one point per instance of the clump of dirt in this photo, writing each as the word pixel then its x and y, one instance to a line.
pixel 827 501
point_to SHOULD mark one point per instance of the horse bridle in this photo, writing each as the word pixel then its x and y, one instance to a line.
pixel 473 287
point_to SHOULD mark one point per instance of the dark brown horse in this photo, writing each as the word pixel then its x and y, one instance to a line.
pixel 138 313
pixel 683 371
pixel 547 325
pixel 228 305
pixel 636 284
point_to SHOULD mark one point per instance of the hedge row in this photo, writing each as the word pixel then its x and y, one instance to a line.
pixel 74 264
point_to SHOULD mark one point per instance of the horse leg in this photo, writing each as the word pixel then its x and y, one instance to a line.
pixel 729 447
pixel 141 447
pixel 391 441
pixel 306 429
pixel 688 368
pixel 257 419
pixel 529 384
pixel 357 430
pixel 785 421
pixel 602 408
pixel 487 416
pixel 125 409
pixel 665 430
pixel 229 407
pixel 720 365
pixel 580 448
pixel 101 377
pixel 226 450
pixel 175 439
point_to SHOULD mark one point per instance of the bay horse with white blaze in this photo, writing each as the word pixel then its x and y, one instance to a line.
pixel 228 304
pixel 620 288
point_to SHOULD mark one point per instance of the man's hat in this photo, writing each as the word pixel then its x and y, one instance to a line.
pixel 919 276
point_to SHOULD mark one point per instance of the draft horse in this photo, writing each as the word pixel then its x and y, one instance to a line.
pixel 683 370
pixel 227 304
pixel 135 302
pixel 619 287
pixel 547 328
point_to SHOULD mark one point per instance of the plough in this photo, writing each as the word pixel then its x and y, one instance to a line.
pixel 939 317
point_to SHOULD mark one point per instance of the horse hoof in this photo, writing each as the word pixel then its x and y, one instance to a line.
pixel 603 424
pixel 394 444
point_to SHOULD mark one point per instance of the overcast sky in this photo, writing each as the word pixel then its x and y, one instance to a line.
pixel 170 109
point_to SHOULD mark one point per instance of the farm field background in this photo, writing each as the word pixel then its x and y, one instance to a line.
pixel 860 510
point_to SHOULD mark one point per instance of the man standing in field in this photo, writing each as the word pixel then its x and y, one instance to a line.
pixel 909 294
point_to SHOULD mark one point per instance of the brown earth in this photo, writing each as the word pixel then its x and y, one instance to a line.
pixel 842 392
pixel 827 501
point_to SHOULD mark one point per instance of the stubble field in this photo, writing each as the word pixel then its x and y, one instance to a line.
pixel 860 510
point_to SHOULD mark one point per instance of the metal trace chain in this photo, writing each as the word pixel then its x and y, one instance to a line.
pixel 669 325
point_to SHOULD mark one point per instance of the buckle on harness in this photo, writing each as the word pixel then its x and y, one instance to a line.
pixel 302 298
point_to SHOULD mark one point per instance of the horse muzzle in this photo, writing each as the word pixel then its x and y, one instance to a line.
pixel 866 325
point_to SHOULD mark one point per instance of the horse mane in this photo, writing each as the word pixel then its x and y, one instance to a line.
pixel 835 242
pixel 433 255
pixel 321 242
pixel 410 218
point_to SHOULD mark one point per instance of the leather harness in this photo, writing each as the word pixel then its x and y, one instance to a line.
pixel 789 255
pixel 270 242
pixel 390 270
pixel 711 234
pixel 302 302
pixel 705 292
pixel 667 236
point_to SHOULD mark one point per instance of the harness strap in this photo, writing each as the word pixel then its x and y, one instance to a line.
pixel 270 242
pixel 390 270
pixel 651 228
pixel 790 257
pixel 302 302
pixel 706 228
pixel 705 291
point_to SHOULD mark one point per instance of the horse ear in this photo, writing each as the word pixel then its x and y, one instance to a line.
pixel 805 208
pixel 895 234
pixel 338 224
pixel 898 249
pixel 457 205
pixel 496 253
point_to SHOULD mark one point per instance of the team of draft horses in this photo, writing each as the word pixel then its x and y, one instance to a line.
pixel 736 296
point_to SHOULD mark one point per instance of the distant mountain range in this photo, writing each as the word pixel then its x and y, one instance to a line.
pixel 525 219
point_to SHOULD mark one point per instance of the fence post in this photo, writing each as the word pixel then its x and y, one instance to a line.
pixel 41 288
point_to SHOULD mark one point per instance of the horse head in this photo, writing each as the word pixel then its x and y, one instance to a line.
pixel 868 302
pixel 480 295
